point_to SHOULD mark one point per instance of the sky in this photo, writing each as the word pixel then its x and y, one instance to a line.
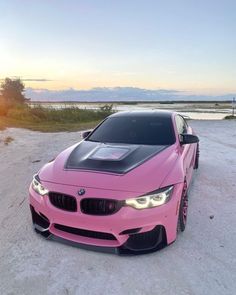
pixel 58 45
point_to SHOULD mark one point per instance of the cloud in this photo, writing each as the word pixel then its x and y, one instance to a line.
pixel 116 94
pixel 28 80
pixel 36 80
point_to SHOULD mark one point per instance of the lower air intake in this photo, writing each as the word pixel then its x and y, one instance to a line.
pixel 85 233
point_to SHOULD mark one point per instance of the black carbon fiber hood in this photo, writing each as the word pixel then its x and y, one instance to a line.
pixel 111 158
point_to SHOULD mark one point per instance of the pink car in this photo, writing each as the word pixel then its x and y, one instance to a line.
pixel 123 188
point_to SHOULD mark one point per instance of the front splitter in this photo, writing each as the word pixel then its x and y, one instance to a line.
pixel 121 250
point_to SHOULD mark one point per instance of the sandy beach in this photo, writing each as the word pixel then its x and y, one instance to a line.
pixel 201 261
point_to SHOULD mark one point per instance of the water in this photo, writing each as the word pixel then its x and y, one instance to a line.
pixel 196 111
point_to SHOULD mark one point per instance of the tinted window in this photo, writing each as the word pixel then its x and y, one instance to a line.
pixel 148 130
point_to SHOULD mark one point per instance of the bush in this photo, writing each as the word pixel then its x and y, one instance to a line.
pixel 106 108
pixel 229 117
pixel 19 114
pixel 4 107
pixel 38 111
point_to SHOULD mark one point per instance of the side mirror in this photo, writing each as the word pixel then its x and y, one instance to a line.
pixel 85 134
pixel 188 138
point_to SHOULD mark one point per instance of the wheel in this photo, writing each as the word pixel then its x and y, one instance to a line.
pixel 183 210
pixel 196 164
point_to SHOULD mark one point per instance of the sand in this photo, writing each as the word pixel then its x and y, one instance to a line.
pixel 201 261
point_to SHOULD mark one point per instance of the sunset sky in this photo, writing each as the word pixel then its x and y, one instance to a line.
pixel 185 45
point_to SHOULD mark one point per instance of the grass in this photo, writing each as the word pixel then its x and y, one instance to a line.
pixel 47 126
pixel 50 119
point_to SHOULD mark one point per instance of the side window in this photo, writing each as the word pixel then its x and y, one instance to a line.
pixel 181 125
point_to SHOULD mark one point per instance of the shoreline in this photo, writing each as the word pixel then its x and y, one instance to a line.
pixel 195 110
pixel 93 125
pixel 59 117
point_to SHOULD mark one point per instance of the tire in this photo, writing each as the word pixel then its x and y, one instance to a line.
pixel 196 164
pixel 183 210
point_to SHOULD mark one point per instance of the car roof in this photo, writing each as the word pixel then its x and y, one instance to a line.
pixel 144 113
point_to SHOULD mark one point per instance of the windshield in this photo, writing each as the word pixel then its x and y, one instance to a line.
pixel 146 130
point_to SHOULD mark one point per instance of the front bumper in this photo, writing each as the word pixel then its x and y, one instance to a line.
pixel 125 232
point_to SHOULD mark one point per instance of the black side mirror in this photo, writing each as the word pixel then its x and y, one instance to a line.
pixel 188 138
pixel 85 134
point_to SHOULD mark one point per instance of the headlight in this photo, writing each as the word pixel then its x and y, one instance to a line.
pixel 154 199
pixel 38 187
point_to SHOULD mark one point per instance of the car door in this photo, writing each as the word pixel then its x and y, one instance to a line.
pixel 186 150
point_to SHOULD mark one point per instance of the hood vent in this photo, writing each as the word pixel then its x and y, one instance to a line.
pixel 110 158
